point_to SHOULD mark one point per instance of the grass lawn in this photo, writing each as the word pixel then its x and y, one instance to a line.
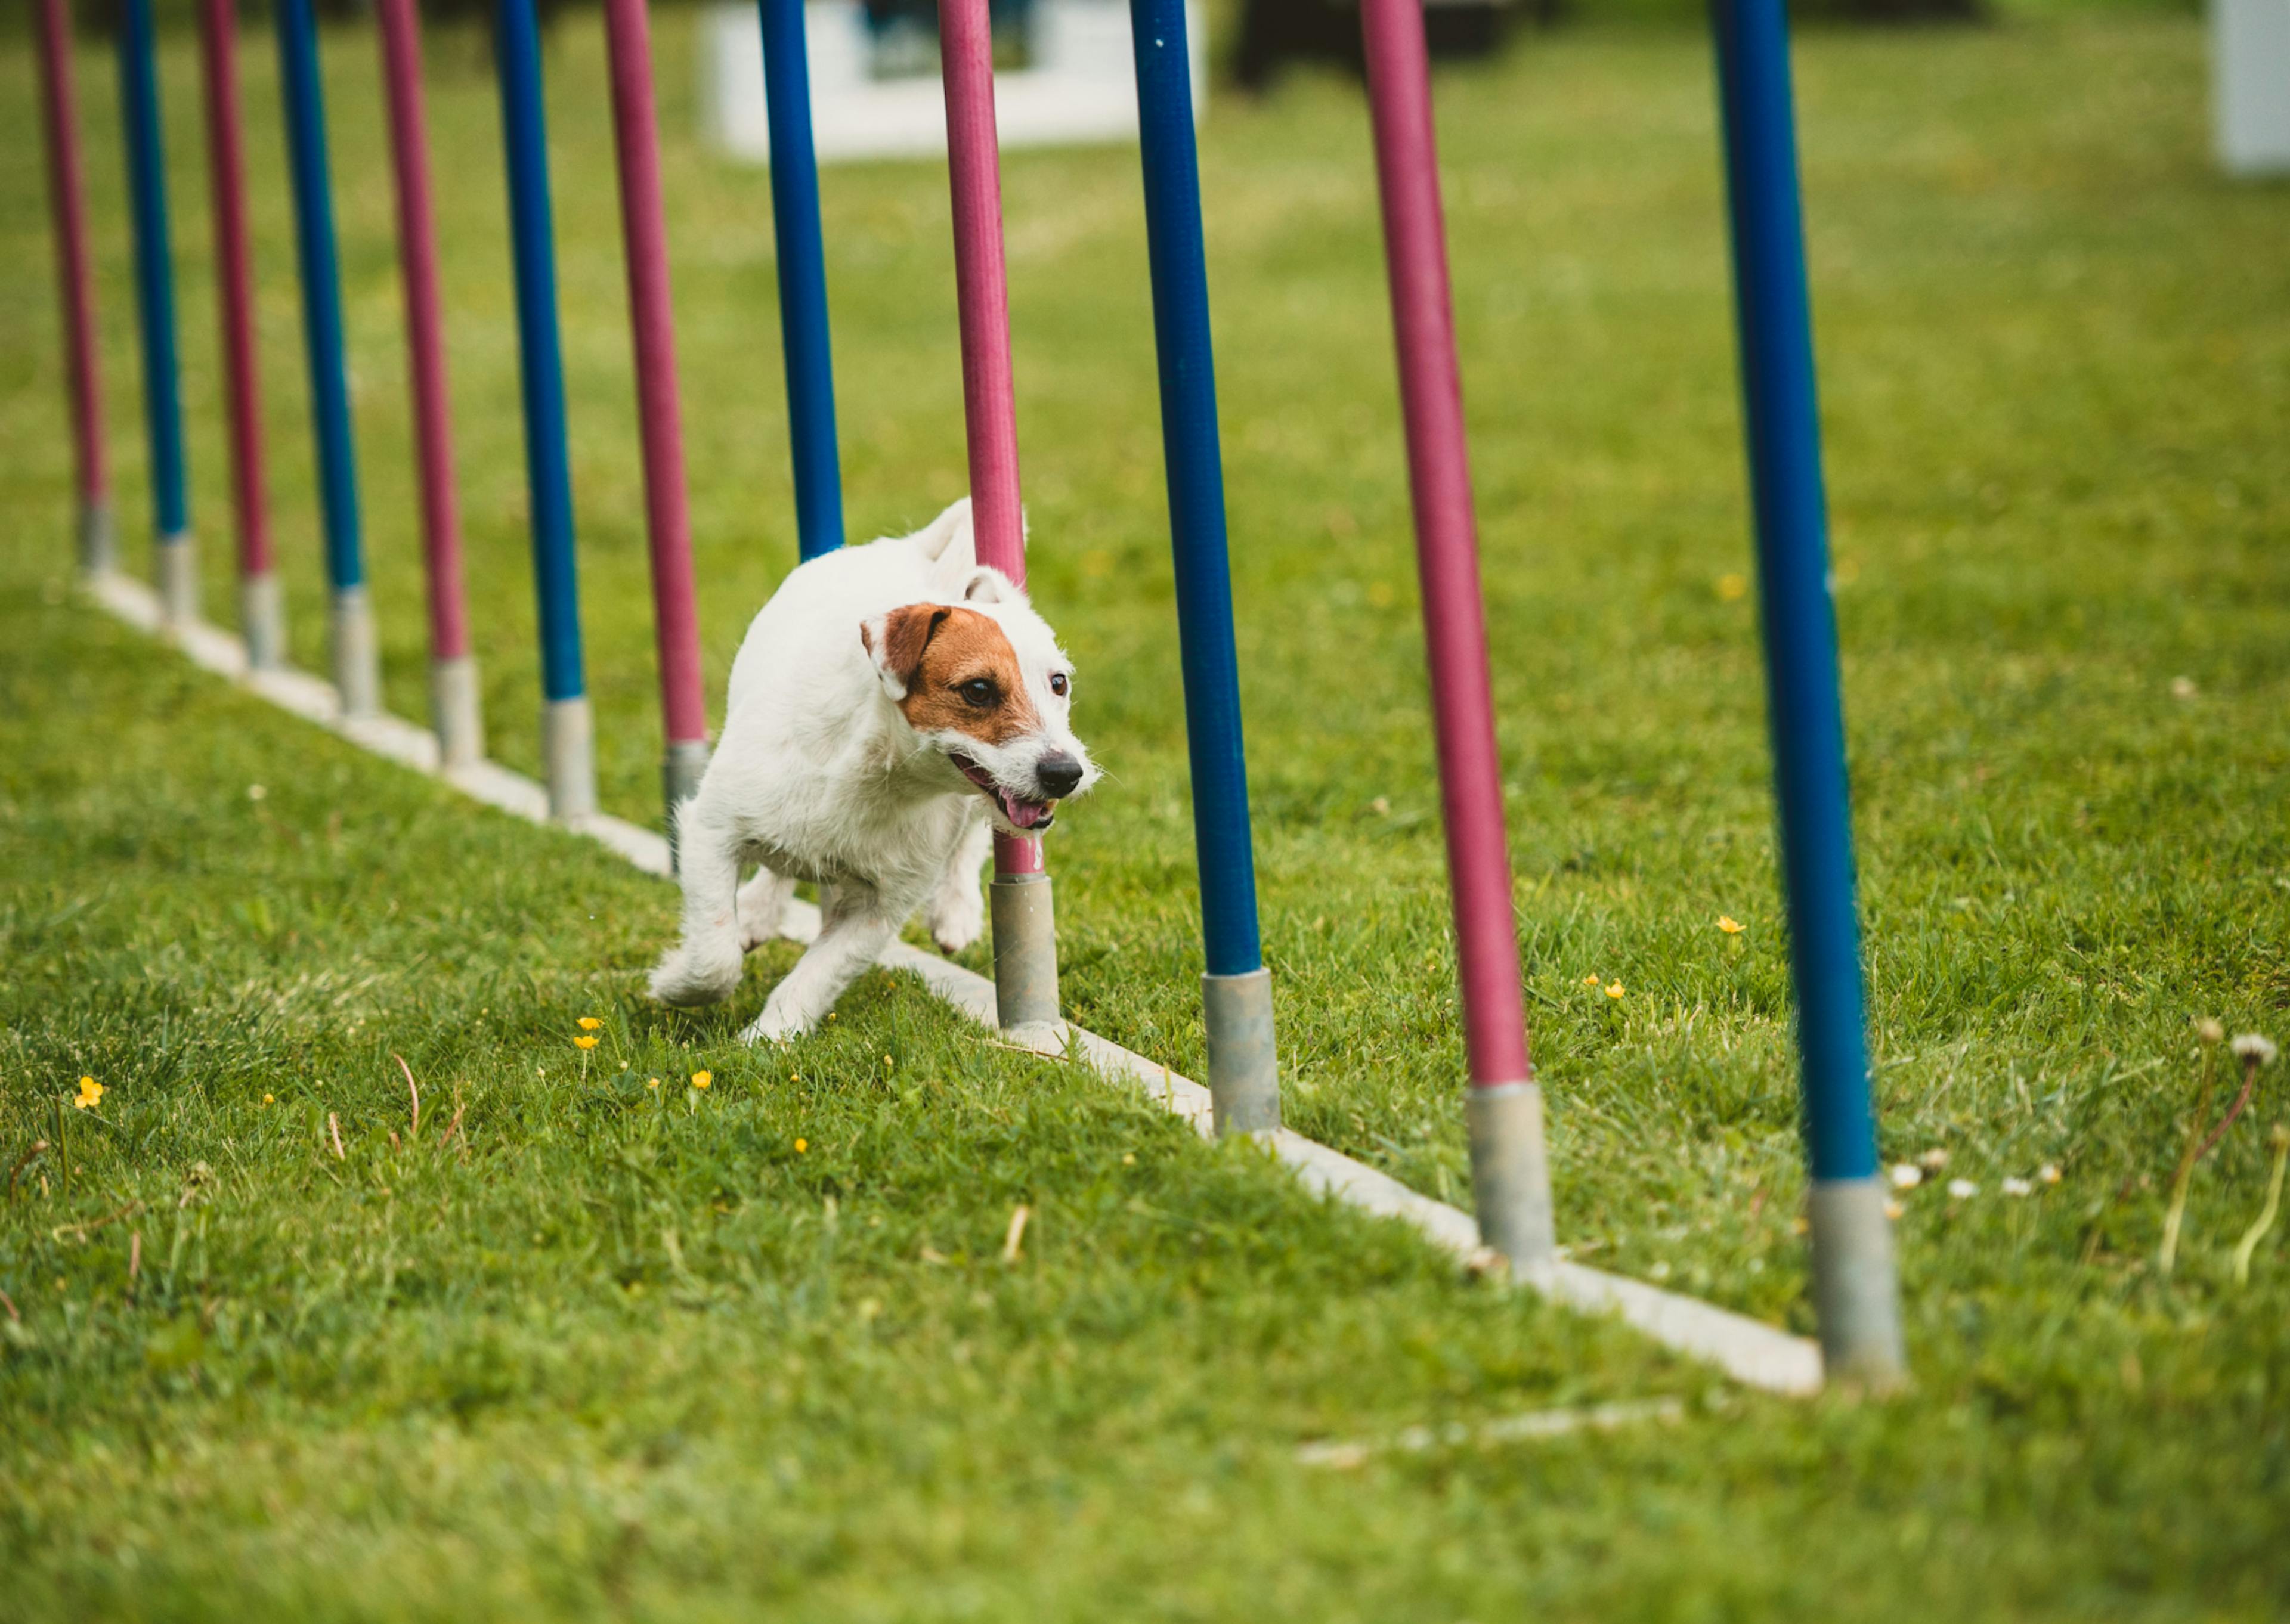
pixel 615 1350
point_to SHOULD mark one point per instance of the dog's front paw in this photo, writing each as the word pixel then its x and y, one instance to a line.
pixel 955 922
pixel 780 1023
pixel 685 978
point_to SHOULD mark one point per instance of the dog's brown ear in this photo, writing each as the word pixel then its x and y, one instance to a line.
pixel 896 641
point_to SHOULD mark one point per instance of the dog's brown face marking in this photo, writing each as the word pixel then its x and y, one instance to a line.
pixel 961 673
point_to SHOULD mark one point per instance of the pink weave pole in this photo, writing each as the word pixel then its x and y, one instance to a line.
pixel 981 286
pixel 74 282
pixel 453 693
pixel 259 610
pixel 1025 951
pixel 1509 1176
pixel 643 232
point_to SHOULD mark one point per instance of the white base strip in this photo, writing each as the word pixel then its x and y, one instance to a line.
pixel 1748 1350
pixel 1346 1453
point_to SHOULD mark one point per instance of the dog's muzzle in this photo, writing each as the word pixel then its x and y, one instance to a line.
pixel 1027 812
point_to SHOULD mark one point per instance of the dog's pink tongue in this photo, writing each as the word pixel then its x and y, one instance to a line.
pixel 1025 814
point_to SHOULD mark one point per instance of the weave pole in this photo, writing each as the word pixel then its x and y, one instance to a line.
pixel 1855 1293
pixel 174 558
pixel 568 731
pixel 455 712
pixel 357 661
pixel 643 235
pixel 1025 927
pixel 1237 990
pixel 1510 1173
pixel 261 611
pixel 805 340
pixel 74 285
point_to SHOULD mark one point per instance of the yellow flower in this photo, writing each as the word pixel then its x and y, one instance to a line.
pixel 702 1079
pixel 587 1023
pixel 653 1083
pixel 1591 979
pixel 268 1098
pixel 1731 925
pixel 1614 990
pixel 1732 589
pixel 90 1091
pixel 802 1147
pixel 584 1042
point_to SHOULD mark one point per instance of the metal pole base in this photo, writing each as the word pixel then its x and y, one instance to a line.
pixel 568 745
pixel 455 712
pixel 1510 1173
pixel 175 563
pixel 262 621
pixel 1855 1293
pixel 1025 950
pixel 1243 1064
pixel 99 542
pixel 358 662
pixel 681 770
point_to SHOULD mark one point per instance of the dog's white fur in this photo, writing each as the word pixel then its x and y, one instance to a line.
pixel 819 776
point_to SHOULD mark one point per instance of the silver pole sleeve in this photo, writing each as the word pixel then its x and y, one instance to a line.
pixel 175 564
pixel 262 620
pixel 681 769
pixel 568 742
pixel 455 712
pixel 99 543
pixel 1854 1293
pixel 357 661
pixel 1025 950
pixel 1510 1173
pixel 1243 1064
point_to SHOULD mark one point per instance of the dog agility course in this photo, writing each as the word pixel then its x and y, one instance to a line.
pixel 1851 1238
pixel 1522 1224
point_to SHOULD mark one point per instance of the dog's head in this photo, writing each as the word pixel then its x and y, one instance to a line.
pixel 983 683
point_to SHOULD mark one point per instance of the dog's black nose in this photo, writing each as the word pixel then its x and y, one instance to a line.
pixel 1058 774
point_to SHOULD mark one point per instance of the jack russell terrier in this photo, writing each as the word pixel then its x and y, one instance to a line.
pixel 891 707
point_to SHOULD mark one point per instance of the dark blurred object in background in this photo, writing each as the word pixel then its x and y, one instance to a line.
pixel 1274 33
pixel 903 36
pixel 102 18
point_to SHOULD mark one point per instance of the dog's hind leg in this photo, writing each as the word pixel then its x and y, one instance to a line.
pixel 856 929
pixel 955 913
pixel 703 967
pixel 763 908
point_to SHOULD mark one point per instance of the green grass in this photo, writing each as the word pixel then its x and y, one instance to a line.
pixel 617 1352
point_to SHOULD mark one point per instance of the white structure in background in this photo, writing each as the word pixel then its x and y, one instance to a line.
pixel 2250 76
pixel 1080 84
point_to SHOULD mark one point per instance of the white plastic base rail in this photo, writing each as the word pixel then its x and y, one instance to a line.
pixel 1748 1350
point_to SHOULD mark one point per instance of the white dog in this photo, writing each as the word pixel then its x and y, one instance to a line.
pixel 892 705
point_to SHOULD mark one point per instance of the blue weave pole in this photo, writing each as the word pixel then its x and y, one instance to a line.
pixel 1238 990
pixel 1854 1288
pixel 549 479
pixel 154 305
pixel 351 624
pixel 804 336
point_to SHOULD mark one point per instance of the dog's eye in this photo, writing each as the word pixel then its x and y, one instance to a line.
pixel 1059 683
pixel 979 692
